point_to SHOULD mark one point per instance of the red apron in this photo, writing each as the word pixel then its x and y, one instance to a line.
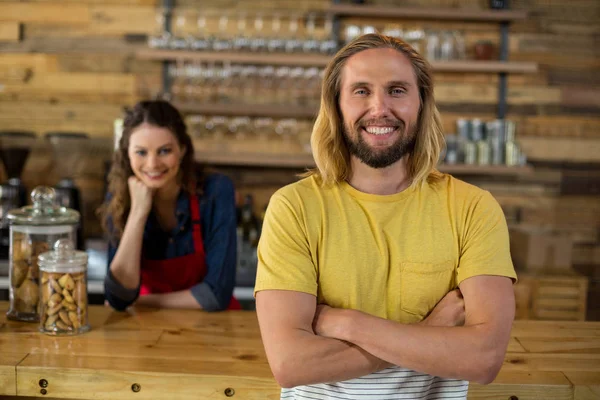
pixel 179 273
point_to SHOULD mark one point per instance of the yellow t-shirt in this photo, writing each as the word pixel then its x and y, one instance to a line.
pixel 393 256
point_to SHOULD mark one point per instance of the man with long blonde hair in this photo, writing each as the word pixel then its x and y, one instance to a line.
pixel 380 277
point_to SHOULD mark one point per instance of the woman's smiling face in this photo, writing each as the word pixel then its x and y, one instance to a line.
pixel 155 155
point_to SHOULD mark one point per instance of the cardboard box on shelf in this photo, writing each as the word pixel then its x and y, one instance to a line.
pixel 535 249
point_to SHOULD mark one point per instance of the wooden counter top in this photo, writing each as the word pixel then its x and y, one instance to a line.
pixel 197 355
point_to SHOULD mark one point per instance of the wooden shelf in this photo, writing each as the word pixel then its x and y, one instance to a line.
pixel 322 60
pixel 306 161
pixel 250 110
pixel 497 170
pixel 447 14
pixel 301 60
pixel 485 66
pixel 256 159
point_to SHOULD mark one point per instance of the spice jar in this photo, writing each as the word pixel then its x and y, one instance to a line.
pixel 63 290
pixel 33 230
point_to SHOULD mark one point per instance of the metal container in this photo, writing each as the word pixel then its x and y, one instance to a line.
pixel 477 128
pixel 63 290
pixel 483 152
pixel 33 230
pixel 463 127
pixel 470 149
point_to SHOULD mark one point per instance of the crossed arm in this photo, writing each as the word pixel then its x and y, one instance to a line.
pixel 322 344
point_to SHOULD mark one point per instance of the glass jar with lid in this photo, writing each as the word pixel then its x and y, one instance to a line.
pixel 33 230
pixel 63 290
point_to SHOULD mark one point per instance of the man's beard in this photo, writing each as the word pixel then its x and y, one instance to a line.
pixel 359 148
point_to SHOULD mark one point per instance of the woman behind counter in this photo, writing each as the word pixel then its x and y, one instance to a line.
pixel 172 239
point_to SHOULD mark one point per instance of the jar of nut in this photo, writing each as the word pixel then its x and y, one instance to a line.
pixel 63 290
pixel 33 230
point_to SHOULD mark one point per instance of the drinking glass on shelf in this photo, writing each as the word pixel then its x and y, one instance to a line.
pixel 223 41
pixel 460 49
pixel 367 29
pixel 196 125
pixel 258 42
pixel 179 39
pixel 297 85
pixel 240 127
pixel 310 43
pixel 263 127
pixel 310 77
pixel 293 42
pixel 352 32
pixel 211 82
pixel 224 84
pixel 275 43
pixel 327 43
pixel 447 46
pixel 266 76
pixel 217 126
pixel 393 30
pixel 202 39
pixel 249 76
pixel 286 128
pixel 432 46
pixel 414 37
pixel 160 37
pixel 189 76
pixel 282 88
pixel 303 133
pixel 241 42
pixel 176 72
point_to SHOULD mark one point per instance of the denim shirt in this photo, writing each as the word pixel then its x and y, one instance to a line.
pixel 218 222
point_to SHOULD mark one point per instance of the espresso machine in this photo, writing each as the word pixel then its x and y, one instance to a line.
pixel 69 150
pixel 14 150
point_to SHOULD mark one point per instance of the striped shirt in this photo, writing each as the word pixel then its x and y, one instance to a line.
pixel 389 384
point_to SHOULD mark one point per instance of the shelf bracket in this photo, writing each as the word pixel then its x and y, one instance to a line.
pixel 335 29
pixel 503 76
pixel 168 6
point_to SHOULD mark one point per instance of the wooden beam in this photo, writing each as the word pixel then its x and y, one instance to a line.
pixel 484 66
pixel 580 96
pixel 37 62
pixel 428 13
pixel 55 12
pixel 250 110
pixel 119 20
pixel 561 149
pixel 76 83
pixel 10 31
pixel 236 57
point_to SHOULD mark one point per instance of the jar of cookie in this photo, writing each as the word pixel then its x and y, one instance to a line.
pixel 63 290
pixel 33 230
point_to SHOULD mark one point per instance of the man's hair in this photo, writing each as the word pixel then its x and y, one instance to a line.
pixel 327 140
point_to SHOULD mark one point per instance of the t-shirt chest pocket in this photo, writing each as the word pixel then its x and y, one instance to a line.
pixel 423 285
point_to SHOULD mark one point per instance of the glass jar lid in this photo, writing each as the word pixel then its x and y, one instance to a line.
pixel 63 258
pixel 44 210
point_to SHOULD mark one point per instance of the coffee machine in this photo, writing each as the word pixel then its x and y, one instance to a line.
pixel 14 150
pixel 69 150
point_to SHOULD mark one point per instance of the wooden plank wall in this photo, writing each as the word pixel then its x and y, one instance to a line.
pixel 70 65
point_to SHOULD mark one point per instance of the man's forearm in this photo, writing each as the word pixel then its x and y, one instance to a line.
pixel 305 358
pixel 464 352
